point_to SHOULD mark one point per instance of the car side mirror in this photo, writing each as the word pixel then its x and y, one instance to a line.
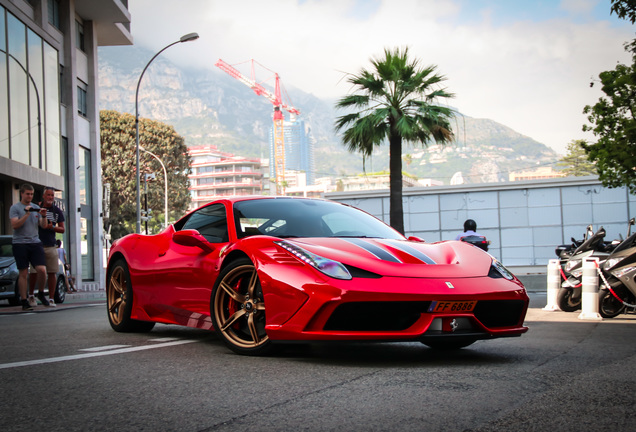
pixel 416 239
pixel 191 238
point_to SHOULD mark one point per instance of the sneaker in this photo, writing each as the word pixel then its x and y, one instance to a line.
pixel 43 299
pixel 52 303
pixel 32 302
pixel 26 306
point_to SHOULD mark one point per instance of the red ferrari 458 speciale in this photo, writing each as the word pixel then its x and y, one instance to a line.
pixel 265 270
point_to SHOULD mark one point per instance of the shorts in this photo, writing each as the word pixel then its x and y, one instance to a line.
pixel 51 259
pixel 26 253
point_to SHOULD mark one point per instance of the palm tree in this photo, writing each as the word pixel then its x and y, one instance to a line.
pixel 395 102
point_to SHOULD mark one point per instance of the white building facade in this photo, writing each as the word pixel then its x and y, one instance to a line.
pixel 49 119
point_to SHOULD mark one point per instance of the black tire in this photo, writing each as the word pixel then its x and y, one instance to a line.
pixel 608 305
pixel 119 298
pixel 60 290
pixel 566 300
pixel 238 310
pixel 450 343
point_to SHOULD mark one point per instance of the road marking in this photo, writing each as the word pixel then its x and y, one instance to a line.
pixel 93 354
pixel 104 348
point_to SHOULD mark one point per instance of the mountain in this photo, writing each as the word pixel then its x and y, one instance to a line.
pixel 210 107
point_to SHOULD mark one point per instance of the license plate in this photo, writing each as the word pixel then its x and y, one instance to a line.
pixel 452 306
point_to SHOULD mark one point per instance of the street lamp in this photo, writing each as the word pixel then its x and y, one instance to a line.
pixel 165 189
pixel 185 38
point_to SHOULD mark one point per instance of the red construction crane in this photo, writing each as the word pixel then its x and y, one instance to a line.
pixel 277 100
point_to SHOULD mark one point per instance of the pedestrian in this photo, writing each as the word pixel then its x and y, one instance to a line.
pixel 27 248
pixel 54 225
pixel 68 277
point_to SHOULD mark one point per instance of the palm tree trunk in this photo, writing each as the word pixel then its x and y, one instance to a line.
pixel 396 211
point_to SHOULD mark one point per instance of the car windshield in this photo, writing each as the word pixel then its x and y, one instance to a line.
pixel 288 217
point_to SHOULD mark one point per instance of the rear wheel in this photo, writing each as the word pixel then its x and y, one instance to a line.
pixel 238 309
pixel 608 305
pixel 567 299
pixel 119 299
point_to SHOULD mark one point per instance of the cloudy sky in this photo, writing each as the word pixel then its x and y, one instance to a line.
pixel 525 63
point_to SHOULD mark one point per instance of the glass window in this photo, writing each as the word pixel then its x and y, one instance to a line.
pixel 86 215
pixel 211 222
pixel 79 36
pixel 81 101
pixel 4 92
pixel 18 96
pixel 52 110
pixel 54 13
pixel 84 172
pixel 36 85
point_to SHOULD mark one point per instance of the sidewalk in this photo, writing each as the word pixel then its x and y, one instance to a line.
pixel 73 300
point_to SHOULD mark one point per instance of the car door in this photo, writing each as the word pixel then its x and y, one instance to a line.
pixel 185 275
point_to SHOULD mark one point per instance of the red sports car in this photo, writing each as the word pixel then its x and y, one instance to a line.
pixel 265 270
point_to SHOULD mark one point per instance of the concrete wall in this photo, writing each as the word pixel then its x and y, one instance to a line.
pixel 525 221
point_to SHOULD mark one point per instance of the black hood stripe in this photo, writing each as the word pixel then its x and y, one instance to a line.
pixel 411 251
pixel 377 251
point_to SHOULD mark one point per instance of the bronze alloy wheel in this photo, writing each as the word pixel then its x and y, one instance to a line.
pixel 239 309
pixel 117 286
pixel 119 300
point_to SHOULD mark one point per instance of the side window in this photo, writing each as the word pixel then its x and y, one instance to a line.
pixel 211 222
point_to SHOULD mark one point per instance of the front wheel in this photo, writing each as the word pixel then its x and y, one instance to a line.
pixel 238 309
pixel 608 305
pixel 569 299
pixel 119 300
pixel 60 290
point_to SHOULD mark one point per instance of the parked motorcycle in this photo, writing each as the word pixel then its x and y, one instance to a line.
pixel 617 293
pixel 594 246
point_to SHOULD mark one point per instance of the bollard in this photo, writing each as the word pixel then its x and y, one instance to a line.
pixel 589 291
pixel 554 283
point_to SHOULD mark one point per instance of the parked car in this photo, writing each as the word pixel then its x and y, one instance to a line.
pixel 267 270
pixel 9 275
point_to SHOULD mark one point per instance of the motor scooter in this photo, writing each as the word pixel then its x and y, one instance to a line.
pixel 617 287
pixel 594 246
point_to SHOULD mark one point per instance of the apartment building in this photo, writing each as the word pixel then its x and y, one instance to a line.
pixel 217 174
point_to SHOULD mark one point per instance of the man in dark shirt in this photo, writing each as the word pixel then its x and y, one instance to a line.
pixel 54 224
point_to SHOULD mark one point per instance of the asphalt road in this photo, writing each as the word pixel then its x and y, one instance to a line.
pixel 67 370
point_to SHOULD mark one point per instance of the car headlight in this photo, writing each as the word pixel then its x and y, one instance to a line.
pixel 499 267
pixel 571 264
pixel 327 266
pixel 612 262
pixel 4 271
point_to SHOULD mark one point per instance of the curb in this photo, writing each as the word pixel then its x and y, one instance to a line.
pixel 72 301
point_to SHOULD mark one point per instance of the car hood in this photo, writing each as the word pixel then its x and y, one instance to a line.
pixel 6 261
pixel 402 258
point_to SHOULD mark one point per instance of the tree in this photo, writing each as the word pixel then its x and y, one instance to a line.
pixel 612 117
pixel 576 162
pixel 117 133
pixel 395 102
pixel 624 9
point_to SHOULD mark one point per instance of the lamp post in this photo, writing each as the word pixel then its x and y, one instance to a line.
pixel 185 38
pixel 165 189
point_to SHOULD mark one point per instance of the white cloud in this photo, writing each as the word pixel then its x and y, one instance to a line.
pixel 532 76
